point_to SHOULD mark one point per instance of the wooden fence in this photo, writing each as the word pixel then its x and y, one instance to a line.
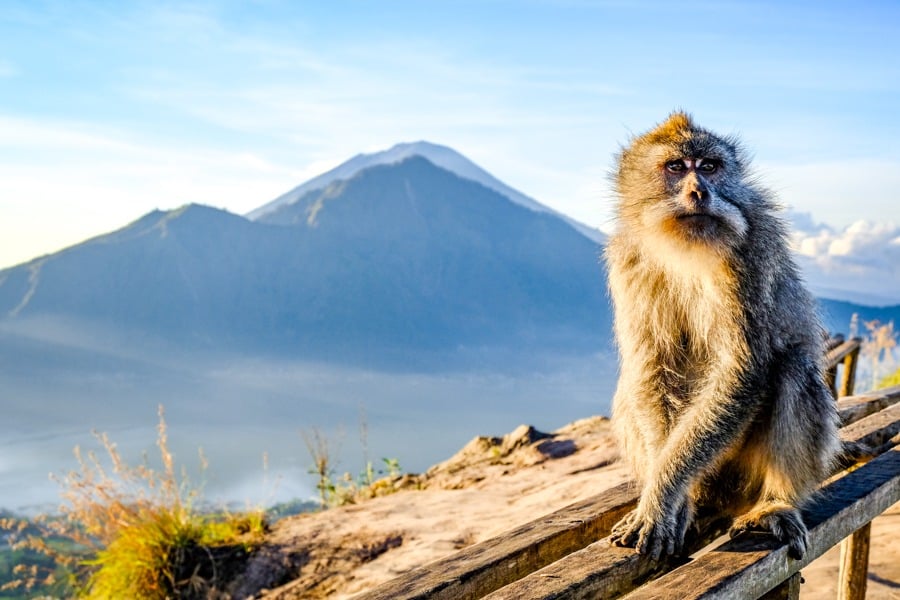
pixel 566 555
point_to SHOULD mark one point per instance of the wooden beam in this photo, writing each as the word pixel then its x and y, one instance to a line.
pixel 602 570
pixel 789 590
pixel 752 564
pixel 837 351
pixel 854 408
pixel 489 565
pixel 834 341
pixel 837 354
pixel 875 430
pixel 854 569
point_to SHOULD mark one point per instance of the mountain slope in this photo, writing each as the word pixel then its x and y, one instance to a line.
pixel 399 259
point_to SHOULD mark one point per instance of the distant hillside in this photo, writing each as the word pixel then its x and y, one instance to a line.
pixel 398 260
pixel 837 314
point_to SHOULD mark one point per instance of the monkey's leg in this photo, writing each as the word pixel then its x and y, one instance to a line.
pixel 781 520
pixel 796 449
pixel 854 452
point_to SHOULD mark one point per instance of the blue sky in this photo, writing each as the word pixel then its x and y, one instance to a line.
pixel 111 109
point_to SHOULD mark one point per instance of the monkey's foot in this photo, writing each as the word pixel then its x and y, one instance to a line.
pixel 781 520
pixel 660 537
pixel 854 452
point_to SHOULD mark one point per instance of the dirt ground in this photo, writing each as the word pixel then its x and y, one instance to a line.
pixel 492 485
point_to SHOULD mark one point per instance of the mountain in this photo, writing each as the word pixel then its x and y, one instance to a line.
pixel 397 263
pixel 441 156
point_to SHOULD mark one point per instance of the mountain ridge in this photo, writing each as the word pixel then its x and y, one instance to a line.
pixel 441 156
pixel 404 257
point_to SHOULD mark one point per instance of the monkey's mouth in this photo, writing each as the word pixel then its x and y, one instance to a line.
pixel 697 219
pixel 699 226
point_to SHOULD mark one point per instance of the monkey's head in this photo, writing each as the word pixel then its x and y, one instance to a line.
pixel 682 184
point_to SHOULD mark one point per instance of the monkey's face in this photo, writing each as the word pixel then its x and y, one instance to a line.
pixel 693 207
pixel 684 185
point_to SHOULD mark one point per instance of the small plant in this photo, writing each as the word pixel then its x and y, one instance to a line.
pixel 393 467
pixel 133 531
pixel 338 491
pixel 878 348
pixel 318 446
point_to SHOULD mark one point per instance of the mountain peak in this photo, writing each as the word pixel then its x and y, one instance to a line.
pixel 441 156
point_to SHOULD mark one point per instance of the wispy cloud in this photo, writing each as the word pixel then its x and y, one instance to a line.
pixel 62 182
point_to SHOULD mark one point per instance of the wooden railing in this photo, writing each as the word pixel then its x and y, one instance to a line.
pixel 565 555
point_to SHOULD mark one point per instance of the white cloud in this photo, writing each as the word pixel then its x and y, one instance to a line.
pixel 860 262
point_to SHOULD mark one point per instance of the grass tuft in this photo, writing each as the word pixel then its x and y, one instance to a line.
pixel 134 532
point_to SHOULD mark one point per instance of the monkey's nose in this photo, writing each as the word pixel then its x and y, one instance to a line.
pixel 697 195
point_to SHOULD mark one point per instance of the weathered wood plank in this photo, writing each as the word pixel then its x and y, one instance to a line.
pixel 833 342
pixel 604 571
pixel 836 355
pixel 854 567
pixel 601 570
pixel 875 430
pixel 854 408
pixel 752 564
pixel 788 590
pixel 484 567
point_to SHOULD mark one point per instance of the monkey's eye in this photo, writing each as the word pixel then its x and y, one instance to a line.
pixel 708 166
pixel 675 166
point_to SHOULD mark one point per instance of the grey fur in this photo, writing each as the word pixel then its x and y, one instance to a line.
pixel 721 401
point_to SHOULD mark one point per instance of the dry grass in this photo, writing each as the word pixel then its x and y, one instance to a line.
pixel 879 343
pixel 134 531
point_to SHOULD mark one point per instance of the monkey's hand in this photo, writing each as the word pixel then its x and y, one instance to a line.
pixel 656 534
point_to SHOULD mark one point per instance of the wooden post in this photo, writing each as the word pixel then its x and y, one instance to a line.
pixel 830 377
pixel 854 568
pixel 789 589
pixel 848 377
pixel 854 565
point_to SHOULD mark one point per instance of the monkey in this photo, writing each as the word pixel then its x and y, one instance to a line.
pixel 721 402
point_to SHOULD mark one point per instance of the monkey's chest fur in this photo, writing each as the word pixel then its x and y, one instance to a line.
pixel 694 338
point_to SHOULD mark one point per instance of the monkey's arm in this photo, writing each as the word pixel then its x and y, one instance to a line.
pixel 716 418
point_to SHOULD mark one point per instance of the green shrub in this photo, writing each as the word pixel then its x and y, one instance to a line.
pixel 891 380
